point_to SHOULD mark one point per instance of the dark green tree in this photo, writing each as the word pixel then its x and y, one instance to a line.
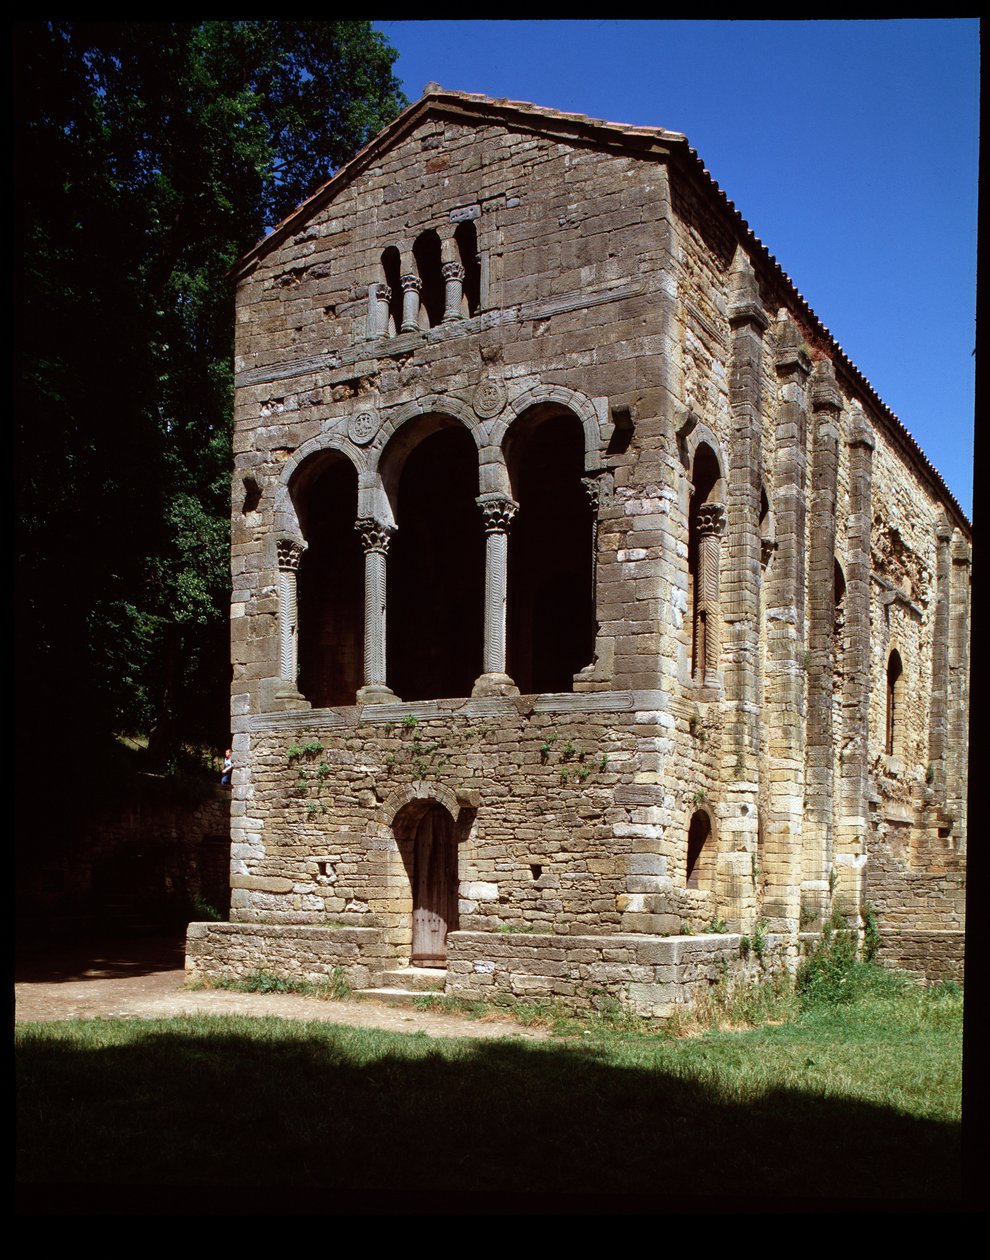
pixel 148 157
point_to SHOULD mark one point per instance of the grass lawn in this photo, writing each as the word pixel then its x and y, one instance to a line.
pixel 858 1098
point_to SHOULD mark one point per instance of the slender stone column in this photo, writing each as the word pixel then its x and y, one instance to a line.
pixel 453 278
pixel 596 488
pixel 375 537
pixel 411 285
pixel 379 296
pixel 711 525
pixel 289 555
pixel 498 511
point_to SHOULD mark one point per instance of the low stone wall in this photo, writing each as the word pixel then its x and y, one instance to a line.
pixel 928 897
pixel 647 975
pixel 928 955
pixel 236 950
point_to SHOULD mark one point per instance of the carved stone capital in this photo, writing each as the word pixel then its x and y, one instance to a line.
pixel 711 519
pixel 411 282
pixel 596 488
pixel 289 554
pixel 383 292
pixel 375 535
pixel 452 271
pixel 498 512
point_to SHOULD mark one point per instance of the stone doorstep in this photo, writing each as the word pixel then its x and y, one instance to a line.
pixel 405 984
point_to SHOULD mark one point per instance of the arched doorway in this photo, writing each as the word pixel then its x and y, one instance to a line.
pixel 428 843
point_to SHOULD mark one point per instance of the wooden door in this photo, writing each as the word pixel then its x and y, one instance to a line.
pixel 434 887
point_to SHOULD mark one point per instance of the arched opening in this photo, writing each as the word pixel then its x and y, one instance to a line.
pixel 466 240
pixel 703 567
pixel 392 273
pixel 331 581
pixel 700 852
pixel 427 841
pixel 895 703
pixel 551 626
pixel 839 593
pixel 768 541
pixel 426 252
pixel 436 561
pixel 839 659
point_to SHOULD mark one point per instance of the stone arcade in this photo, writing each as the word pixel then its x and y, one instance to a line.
pixel 590 610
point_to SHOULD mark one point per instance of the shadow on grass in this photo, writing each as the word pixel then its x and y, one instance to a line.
pixel 350 1110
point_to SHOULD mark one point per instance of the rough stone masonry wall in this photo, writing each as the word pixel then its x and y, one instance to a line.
pixel 928 899
pixel 647 976
pixel 931 956
pixel 235 951
pixel 559 820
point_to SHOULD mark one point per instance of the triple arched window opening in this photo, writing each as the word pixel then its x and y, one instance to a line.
pixel 466 584
pixel 437 282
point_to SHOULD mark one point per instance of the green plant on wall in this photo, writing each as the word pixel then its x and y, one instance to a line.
pixel 306 779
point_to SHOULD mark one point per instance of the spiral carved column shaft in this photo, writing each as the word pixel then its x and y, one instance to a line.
pixel 289 555
pixel 375 537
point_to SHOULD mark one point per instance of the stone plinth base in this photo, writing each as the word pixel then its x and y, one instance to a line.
pixel 494 685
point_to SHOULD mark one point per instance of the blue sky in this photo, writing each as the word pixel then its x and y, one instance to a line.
pixel 851 148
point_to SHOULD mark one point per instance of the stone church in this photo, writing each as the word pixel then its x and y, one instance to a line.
pixel 593 619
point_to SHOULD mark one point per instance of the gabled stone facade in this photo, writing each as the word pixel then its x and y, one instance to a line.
pixel 586 597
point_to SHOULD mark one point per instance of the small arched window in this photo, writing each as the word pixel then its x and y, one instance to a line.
pixel 700 851
pixel 895 702
pixel 703 577
pixel 392 272
pixel 426 252
pixel 466 239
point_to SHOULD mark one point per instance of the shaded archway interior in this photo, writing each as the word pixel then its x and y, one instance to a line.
pixel 436 561
pixel 330 582
pixel 551 616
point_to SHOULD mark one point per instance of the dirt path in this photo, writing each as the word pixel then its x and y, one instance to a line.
pixel 144 980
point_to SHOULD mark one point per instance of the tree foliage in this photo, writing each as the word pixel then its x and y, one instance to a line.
pixel 148 157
